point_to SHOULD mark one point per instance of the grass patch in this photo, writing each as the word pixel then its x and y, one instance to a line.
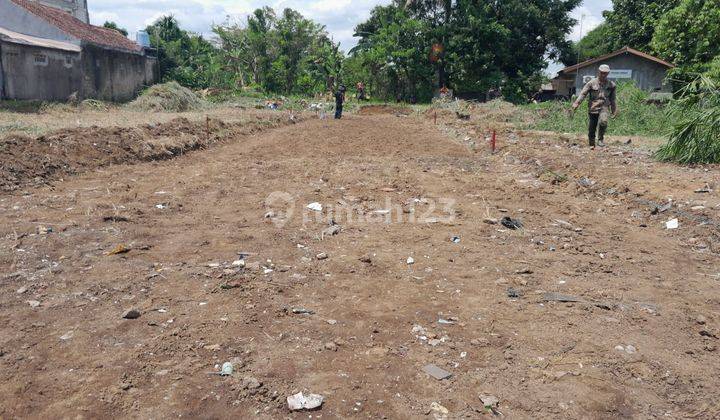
pixel 17 127
pixel 636 117
pixel 21 107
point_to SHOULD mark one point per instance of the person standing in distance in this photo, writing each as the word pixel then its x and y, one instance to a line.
pixel 339 101
pixel 601 104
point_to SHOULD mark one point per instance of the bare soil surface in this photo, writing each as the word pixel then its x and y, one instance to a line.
pixel 592 310
pixel 27 160
pixel 383 109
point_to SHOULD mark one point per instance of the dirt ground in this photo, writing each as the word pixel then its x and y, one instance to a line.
pixel 27 160
pixel 592 310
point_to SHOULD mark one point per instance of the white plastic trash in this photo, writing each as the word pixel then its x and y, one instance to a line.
pixel 315 206
pixel 672 224
pixel 227 369
pixel 299 401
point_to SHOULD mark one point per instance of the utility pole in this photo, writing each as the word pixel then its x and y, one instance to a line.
pixel 577 71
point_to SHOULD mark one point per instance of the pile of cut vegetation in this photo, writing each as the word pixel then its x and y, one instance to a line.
pixel 167 97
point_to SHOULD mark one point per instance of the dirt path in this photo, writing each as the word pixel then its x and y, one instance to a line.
pixel 66 351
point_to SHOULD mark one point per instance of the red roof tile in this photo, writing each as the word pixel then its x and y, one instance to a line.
pixel 72 26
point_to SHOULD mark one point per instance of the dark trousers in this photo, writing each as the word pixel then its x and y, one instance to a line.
pixel 338 111
pixel 598 124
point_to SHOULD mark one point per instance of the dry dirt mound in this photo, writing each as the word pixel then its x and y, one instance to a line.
pixel 32 161
pixel 383 109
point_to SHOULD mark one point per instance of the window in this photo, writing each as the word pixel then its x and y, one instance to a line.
pixel 68 61
pixel 41 60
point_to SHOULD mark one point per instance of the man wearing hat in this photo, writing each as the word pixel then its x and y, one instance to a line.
pixel 339 101
pixel 601 104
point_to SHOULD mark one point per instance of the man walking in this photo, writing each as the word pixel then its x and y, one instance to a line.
pixel 339 101
pixel 601 103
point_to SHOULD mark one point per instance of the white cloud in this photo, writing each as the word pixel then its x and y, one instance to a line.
pixel 590 11
pixel 586 22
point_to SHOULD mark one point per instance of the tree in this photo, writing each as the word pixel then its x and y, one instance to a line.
pixel 689 35
pixel 288 54
pixel 395 49
pixel 183 56
pixel 632 23
pixel 113 25
pixel 482 44
pixel 592 45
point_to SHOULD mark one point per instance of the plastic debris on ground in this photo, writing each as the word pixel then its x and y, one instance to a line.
pixel 303 311
pixel 511 223
pixel 227 369
pixel 315 206
pixel 300 401
pixel 672 224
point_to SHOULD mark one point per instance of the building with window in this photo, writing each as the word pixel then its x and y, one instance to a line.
pixel 48 51
pixel 649 73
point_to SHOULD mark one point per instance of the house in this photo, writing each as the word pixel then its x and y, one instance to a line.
pixel 52 53
pixel 648 72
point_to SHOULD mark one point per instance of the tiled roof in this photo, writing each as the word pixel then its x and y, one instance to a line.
pixel 625 50
pixel 69 24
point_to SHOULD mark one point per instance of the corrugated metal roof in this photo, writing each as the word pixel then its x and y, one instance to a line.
pixel 69 24
pixel 17 38
pixel 624 50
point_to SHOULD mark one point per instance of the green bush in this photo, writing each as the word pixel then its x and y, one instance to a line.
pixel 695 132
pixel 636 116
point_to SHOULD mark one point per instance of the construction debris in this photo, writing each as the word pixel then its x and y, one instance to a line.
pixel 437 372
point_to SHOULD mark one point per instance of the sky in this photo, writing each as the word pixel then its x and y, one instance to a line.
pixel 339 16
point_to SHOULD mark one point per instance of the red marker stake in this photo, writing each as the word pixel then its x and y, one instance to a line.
pixel 493 141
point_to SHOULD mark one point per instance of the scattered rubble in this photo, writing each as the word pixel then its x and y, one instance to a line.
pixel 511 223
pixel 131 314
pixel 437 372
